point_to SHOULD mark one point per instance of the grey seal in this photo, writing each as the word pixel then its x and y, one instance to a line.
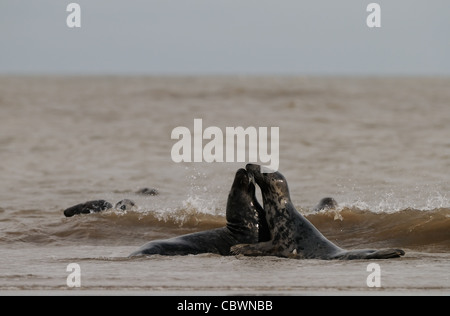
pixel 147 191
pixel 87 208
pixel 325 204
pixel 246 223
pixel 293 236
pixel 125 205
pixel 97 206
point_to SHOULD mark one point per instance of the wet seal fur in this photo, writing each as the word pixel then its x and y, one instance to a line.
pixel 326 203
pixel 147 191
pixel 246 223
pixel 293 236
pixel 88 207
pixel 125 205
pixel 97 206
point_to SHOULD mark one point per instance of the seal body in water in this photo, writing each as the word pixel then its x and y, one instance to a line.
pixel 147 191
pixel 88 207
pixel 97 206
pixel 293 236
pixel 246 223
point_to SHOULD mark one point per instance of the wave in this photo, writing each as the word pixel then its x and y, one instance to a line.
pixel 410 228
pixel 349 227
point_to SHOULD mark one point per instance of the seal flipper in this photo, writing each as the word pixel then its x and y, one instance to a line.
pixel 258 249
pixel 370 254
pixel 386 254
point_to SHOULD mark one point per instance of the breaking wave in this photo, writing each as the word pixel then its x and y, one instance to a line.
pixel 352 227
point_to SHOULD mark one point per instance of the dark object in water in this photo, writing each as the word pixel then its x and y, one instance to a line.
pixel 325 204
pixel 88 207
pixel 147 191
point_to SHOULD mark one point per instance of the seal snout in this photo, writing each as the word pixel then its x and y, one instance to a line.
pixel 241 179
pixel 254 172
pixel 252 168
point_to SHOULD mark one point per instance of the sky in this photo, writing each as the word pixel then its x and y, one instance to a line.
pixel 221 37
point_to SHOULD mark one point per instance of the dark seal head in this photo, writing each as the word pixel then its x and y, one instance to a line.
pixel 245 224
pixel 327 203
pixel 293 236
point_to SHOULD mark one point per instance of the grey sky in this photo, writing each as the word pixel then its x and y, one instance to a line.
pixel 321 37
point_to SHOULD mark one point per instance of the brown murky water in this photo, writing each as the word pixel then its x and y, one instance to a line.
pixel 379 146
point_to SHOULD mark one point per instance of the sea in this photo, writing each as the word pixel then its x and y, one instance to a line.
pixel 380 146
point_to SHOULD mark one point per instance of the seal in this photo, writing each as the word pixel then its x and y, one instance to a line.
pixel 125 205
pixel 293 236
pixel 246 223
pixel 88 207
pixel 97 206
pixel 325 204
pixel 147 191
